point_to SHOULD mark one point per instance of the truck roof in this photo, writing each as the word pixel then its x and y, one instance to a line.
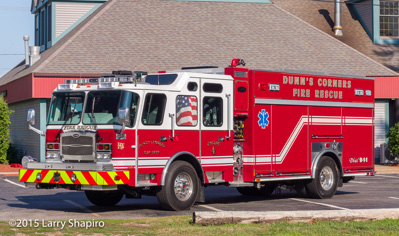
pixel 166 82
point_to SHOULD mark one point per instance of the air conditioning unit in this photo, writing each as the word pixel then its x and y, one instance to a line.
pixel 385 155
pixel 383 152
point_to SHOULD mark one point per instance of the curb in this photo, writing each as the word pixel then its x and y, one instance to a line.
pixel 9 174
pixel 232 217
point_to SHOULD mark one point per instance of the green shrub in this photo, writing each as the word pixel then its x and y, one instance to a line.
pixel 4 130
pixel 12 155
pixel 393 140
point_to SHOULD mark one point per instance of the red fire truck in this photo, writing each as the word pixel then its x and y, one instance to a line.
pixel 171 134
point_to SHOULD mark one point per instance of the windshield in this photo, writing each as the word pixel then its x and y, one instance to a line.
pixel 66 108
pixel 102 107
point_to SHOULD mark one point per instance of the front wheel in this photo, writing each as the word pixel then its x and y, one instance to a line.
pixel 104 198
pixel 324 185
pixel 181 187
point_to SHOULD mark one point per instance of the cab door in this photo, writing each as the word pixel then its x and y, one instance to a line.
pixel 216 129
pixel 187 118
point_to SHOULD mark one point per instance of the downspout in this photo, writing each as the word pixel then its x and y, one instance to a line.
pixel 337 23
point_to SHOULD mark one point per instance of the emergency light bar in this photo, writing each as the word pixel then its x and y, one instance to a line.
pixel 67 86
pixel 116 76
pixel 108 84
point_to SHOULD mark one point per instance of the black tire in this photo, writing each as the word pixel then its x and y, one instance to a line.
pixel 104 198
pixel 301 189
pixel 181 187
pixel 325 183
pixel 267 189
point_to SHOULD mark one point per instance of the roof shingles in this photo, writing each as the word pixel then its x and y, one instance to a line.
pixel 155 35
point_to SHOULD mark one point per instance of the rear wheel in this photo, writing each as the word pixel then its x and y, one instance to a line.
pixel 104 198
pixel 267 189
pixel 181 187
pixel 324 185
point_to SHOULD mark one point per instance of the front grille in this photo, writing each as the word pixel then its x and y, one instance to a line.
pixel 76 146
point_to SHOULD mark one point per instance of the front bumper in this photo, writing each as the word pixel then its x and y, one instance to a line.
pixel 83 178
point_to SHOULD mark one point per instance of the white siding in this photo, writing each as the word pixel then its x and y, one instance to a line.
pixel 380 126
pixel 68 13
pixel 365 11
pixel 26 141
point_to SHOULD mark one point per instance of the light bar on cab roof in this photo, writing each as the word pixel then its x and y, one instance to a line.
pixel 116 76
pixel 67 86
pixel 82 81
pixel 108 84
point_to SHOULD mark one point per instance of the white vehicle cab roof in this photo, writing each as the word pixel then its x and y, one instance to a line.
pixel 127 80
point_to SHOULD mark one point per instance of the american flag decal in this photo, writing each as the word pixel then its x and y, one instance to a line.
pixel 186 108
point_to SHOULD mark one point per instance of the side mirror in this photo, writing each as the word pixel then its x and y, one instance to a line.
pixel 124 118
pixel 31 121
pixel 31 117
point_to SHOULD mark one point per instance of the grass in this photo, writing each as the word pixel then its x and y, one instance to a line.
pixel 182 225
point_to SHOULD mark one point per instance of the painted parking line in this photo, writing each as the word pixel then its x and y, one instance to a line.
pixel 357 182
pixel 396 198
pixel 85 209
pixel 318 203
pixel 389 176
pixel 11 182
pixel 210 208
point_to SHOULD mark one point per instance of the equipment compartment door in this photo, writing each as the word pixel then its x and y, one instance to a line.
pixel 262 140
pixel 290 140
pixel 358 148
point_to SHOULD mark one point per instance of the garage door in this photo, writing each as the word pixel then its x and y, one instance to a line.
pixel 380 126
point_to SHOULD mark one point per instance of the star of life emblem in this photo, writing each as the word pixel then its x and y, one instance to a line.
pixel 263 119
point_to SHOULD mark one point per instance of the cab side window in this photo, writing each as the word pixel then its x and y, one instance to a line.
pixel 212 111
pixel 186 110
pixel 154 108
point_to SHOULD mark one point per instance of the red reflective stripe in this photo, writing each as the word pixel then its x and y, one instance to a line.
pixel 107 178
pixel 88 177
pixel 52 179
pixel 61 181
pixel 44 173
pixel 124 178
pixel 26 176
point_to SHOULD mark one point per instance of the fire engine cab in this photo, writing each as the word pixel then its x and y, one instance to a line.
pixel 171 134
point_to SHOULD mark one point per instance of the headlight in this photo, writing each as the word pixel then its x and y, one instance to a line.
pixel 104 156
pixel 53 156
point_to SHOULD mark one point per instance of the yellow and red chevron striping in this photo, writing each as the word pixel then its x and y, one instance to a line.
pixel 82 177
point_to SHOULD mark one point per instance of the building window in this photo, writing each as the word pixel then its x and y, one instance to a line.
pixel 42 29
pixel 49 23
pixel 389 15
pixel 37 30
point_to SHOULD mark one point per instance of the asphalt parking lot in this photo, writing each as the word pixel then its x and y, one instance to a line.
pixel 17 202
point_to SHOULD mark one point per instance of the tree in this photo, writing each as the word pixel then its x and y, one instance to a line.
pixel 393 140
pixel 4 130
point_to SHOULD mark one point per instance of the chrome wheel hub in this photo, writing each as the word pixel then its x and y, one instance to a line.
pixel 326 178
pixel 183 186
